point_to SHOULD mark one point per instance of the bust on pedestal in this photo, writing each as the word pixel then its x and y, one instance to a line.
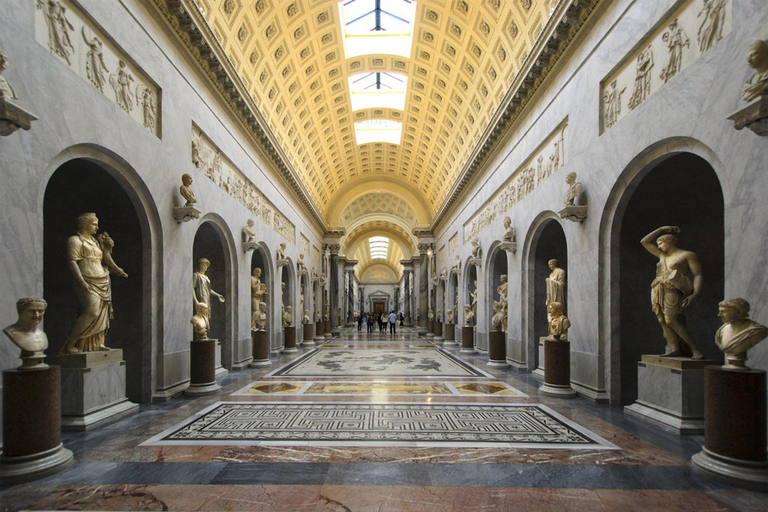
pixel 202 355
pixel 188 211
pixel 468 331
pixel 755 91
pixel 557 372
pixel 260 337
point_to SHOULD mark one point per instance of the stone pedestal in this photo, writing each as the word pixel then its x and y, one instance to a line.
pixel 309 334
pixel 32 446
pixel 186 213
pixel 319 330
pixel 497 349
pixel 289 337
pixel 557 374
pixel 467 340
pixel 430 329
pixel 260 349
pixel 93 389
pixel 735 428
pixel 202 368
pixel 670 390
pixel 327 330
pixel 450 335
pixel 538 373
pixel 439 332
pixel 754 116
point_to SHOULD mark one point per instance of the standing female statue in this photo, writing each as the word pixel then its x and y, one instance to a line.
pixel 555 285
pixel 256 292
pixel 90 262
pixel 202 286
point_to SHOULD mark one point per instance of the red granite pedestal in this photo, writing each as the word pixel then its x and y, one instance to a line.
pixel 557 372
pixel 289 333
pixel 309 335
pixel 497 349
pixel 202 368
pixel 260 349
pixel 450 334
pixel 467 340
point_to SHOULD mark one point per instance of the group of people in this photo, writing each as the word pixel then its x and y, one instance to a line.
pixel 368 320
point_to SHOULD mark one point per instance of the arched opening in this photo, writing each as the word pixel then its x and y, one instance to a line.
pixel 211 243
pixel 260 260
pixel 472 296
pixel 497 267
pixel 657 197
pixel 81 186
pixel 454 294
pixel 286 296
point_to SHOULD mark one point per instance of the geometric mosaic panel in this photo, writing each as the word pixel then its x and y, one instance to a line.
pixel 379 388
pixel 508 425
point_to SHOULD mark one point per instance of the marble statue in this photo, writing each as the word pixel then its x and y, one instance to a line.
pixel 200 323
pixel 27 335
pixel 147 99
pixel 281 252
pixel 457 263
pixel 712 16
pixel 473 294
pixel 757 58
pixel 430 315
pixel 6 90
pixel 612 100
pixel 469 316
pixel 301 302
pixel 95 67
pixel 439 314
pixel 121 84
pixel 509 231
pixel 259 318
pixel 555 285
pixel 558 322
pixel 287 317
pixel 314 273
pixel 186 191
pixel 249 235
pixel 58 29
pixel 306 319
pixel 502 291
pixel 327 314
pixel 497 321
pixel 256 290
pixel 575 189
pixel 318 315
pixel 449 316
pixel 475 247
pixel 738 333
pixel 201 285
pixel 90 262
pixel 300 264
pixel 672 291
pixel 676 40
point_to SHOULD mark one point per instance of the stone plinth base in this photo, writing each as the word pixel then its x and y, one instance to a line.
pixel 289 337
pixel 260 349
pixel 450 335
pixel 319 330
pixel 574 213
pixel 467 340
pixel 93 389
pixel 557 374
pixel 32 426
pixel 735 426
pixel 185 213
pixel 202 368
pixel 497 349
pixel 754 116
pixel 430 329
pixel 309 334
pixel 670 391
pixel 327 330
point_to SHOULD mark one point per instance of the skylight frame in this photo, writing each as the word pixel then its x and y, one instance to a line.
pixel 378 130
pixel 359 22
pixel 378 89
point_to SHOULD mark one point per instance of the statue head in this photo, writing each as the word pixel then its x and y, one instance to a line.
pixel 31 311
pixel 288 309
pixel 757 57
pixel 201 309
pixel 203 264
pixel 257 272
pixel 667 241
pixel 507 222
pixel 570 178
pixel 3 61
pixel 249 223
pixel 262 307
pixel 186 180
pixel 733 310
pixel 84 221
pixel 555 309
pixel 467 308
pixel 503 278
pixel 553 264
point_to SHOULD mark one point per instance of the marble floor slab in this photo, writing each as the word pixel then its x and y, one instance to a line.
pixel 383 424
pixel 379 388
pixel 390 362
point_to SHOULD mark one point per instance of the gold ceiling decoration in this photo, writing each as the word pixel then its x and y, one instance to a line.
pixel 379 203
pixel 290 57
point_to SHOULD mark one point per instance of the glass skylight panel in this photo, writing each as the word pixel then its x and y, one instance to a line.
pixel 377 26
pixel 378 130
pixel 379 246
pixel 378 90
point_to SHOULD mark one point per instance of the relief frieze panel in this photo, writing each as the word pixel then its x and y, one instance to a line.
pixel 681 38
pixel 550 156
pixel 207 158
pixel 81 45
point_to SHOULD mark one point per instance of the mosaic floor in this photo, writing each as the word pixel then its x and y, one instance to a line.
pixel 386 440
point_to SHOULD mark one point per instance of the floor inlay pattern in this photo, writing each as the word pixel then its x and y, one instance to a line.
pixel 379 388
pixel 385 424
pixel 415 362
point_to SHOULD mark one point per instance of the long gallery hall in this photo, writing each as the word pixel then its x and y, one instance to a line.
pixel 384 255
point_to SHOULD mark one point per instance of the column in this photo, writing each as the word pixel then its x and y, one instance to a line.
pixel 423 283
pixel 334 288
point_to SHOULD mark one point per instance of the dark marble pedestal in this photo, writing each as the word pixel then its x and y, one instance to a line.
pixel 202 368
pixel 260 349
pixel 289 338
pixel 327 329
pixel 309 334
pixel 467 340
pixel 557 373
pixel 450 334
pixel 319 331
pixel 497 349
pixel 32 446
pixel 735 428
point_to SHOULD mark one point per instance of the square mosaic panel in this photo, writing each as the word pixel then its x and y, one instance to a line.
pixel 371 362
pixel 372 424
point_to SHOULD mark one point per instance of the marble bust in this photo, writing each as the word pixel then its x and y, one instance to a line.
pixel 509 231
pixel 475 247
pixel 575 189
pixel 186 191
pixel 259 318
pixel 449 316
pixel 287 317
pixel 306 319
pixel 558 322
pixel 281 252
pixel 200 323
pixel 757 58
pixel 27 335
pixel 738 333
pixel 6 90
pixel 300 264
pixel 498 316
pixel 469 316
pixel 248 232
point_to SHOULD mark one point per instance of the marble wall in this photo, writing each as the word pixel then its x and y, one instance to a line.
pixel 684 113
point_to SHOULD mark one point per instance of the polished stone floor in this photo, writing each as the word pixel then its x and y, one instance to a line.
pixel 640 466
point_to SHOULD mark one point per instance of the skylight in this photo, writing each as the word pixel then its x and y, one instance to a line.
pixel 383 90
pixel 378 130
pixel 379 247
pixel 377 26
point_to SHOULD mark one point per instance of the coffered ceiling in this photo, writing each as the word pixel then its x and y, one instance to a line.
pixel 290 56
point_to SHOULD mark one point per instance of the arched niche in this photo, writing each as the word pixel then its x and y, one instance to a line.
pixel 260 259
pixel 304 289
pixel 471 284
pixel 454 295
pixel 497 267
pixel 84 185
pixel 680 189
pixel 211 242
pixel 546 242
pixel 287 287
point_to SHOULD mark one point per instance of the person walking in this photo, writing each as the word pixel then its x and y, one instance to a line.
pixel 370 323
pixel 392 323
pixel 360 322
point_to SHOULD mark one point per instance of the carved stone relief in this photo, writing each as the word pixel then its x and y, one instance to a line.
pixel 217 167
pixel 538 167
pixel 78 43
pixel 304 245
pixel 663 55
pixel 453 243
